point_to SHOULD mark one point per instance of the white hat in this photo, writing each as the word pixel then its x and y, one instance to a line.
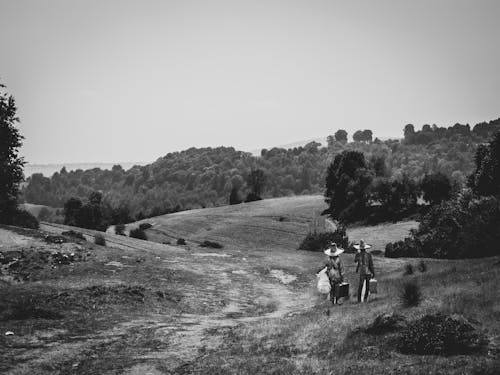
pixel 333 250
pixel 362 245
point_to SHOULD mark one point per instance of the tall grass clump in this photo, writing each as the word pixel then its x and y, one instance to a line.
pixel 411 294
pixel 99 239
pixel 409 270
pixel 318 241
pixel 422 266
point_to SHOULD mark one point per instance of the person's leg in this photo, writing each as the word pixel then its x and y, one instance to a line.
pixel 367 290
pixel 360 288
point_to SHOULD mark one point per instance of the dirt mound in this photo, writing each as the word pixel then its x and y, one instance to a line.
pixel 440 334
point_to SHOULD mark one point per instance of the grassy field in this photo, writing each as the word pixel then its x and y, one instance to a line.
pixel 142 307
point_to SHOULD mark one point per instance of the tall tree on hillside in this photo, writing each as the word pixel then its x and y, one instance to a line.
pixel 256 180
pixel 234 197
pixel 485 180
pixel 347 186
pixel 367 135
pixel 11 164
pixel 330 141
pixel 358 136
pixel 341 135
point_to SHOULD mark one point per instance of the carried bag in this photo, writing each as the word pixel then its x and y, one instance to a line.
pixel 323 282
pixel 372 285
pixel 343 290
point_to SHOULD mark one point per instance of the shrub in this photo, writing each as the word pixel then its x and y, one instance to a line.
pixel 386 323
pixel 181 241
pixel 99 239
pixel 120 229
pixel 411 294
pixel 74 234
pixel 319 241
pixel 145 226
pixel 22 218
pixel 252 197
pixel 422 266
pixel 212 244
pixel 440 334
pixel 409 269
pixel 138 233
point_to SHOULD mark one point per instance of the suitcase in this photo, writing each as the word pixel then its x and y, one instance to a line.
pixel 343 290
pixel 372 285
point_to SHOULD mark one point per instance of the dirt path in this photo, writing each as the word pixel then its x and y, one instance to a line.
pixel 246 287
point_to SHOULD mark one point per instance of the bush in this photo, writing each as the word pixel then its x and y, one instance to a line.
pixel 386 323
pixel 99 239
pixel 24 219
pixel 120 229
pixel 320 241
pixel 72 233
pixel 422 266
pixel 411 294
pixel 181 241
pixel 252 197
pixel 409 269
pixel 138 233
pixel 212 244
pixel 145 226
pixel 439 334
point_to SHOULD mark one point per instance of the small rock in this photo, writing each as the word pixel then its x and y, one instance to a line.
pixel 9 333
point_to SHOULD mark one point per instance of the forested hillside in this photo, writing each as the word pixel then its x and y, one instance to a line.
pixel 205 177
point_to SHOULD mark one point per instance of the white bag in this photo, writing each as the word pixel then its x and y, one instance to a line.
pixel 323 282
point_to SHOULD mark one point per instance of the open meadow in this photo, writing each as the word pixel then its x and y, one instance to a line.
pixel 250 307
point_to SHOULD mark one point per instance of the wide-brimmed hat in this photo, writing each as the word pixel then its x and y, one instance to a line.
pixel 333 250
pixel 362 245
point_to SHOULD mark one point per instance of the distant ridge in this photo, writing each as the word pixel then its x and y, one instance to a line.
pixel 49 169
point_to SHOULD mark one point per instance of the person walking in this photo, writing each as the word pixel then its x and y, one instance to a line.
pixel 365 269
pixel 334 270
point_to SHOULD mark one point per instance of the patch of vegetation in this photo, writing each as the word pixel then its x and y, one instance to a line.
pixel 422 266
pixel 386 323
pixel 411 294
pixel 440 334
pixel 211 244
pixel 120 229
pixel 27 307
pixel 409 270
pixel 99 239
pixel 318 241
pixel 145 226
pixel 138 233
pixel 22 218
pixel 181 241
pixel 74 234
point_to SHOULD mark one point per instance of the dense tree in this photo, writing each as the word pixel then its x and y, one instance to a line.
pixel 358 136
pixel 341 135
pixel 347 182
pixel 234 197
pixel 11 164
pixel 486 179
pixel 436 188
pixel 256 181
pixel 367 135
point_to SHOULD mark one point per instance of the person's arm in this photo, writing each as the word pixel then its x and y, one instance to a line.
pixel 370 266
pixel 356 260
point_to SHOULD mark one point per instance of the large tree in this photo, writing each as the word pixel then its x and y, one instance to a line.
pixel 341 135
pixel 485 180
pixel 347 182
pixel 11 164
pixel 436 188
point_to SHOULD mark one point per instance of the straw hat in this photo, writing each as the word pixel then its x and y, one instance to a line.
pixel 333 250
pixel 362 245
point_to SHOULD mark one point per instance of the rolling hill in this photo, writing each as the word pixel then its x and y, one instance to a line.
pixel 142 307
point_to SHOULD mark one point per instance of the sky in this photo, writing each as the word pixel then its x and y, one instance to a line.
pixel 111 81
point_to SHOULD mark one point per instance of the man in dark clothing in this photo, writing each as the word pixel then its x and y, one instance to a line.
pixel 365 269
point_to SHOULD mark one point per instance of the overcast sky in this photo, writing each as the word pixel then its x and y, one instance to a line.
pixel 133 80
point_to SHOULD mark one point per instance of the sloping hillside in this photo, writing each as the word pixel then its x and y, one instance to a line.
pixel 271 224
